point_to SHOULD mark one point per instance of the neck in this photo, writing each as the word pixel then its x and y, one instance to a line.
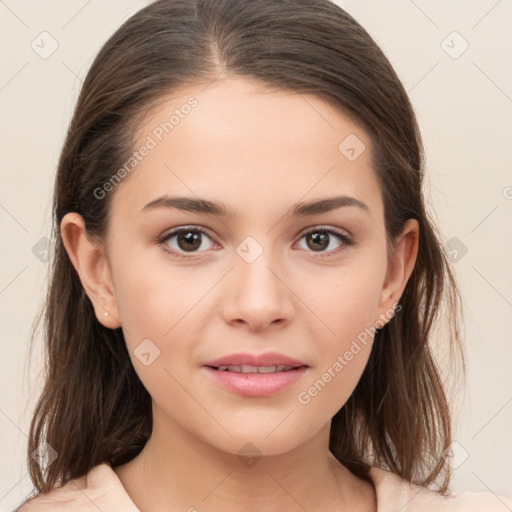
pixel 186 473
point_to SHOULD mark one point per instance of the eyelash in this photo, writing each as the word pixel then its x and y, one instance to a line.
pixel 347 241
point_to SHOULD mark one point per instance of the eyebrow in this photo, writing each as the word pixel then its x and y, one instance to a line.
pixel 301 209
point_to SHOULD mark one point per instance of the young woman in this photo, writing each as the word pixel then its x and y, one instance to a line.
pixel 246 279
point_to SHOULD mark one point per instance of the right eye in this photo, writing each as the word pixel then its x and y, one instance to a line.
pixel 184 240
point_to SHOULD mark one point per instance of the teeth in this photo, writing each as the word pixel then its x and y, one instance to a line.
pixel 245 368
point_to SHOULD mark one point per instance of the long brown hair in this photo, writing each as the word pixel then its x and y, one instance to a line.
pixel 93 407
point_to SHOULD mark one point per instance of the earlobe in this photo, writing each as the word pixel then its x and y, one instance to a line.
pixel 401 265
pixel 92 267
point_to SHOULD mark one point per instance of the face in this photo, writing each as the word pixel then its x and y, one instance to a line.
pixel 271 276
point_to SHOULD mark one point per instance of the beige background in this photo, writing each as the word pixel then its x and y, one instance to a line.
pixel 464 106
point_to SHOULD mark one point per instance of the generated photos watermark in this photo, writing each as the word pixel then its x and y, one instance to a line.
pixel 305 397
pixel 152 140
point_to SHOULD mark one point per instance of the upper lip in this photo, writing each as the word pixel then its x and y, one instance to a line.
pixel 266 359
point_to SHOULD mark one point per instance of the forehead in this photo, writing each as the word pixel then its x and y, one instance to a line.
pixel 250 146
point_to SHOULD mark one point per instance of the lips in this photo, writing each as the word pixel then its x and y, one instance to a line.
pixel 245 368
pixel 260 375
pixel 248 363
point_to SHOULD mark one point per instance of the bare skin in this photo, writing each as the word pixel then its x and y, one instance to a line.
pixel 258 151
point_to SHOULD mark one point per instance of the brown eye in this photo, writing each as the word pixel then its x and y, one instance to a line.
pixel 319 240
pixel 185 240
pixel 188 241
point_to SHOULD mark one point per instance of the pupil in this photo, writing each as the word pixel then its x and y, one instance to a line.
pixel 321 240
pixel 192 240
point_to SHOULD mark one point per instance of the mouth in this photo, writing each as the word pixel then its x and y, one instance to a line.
pixel 256 381
pixel 268 362
pixel 256 375
pixel 246 369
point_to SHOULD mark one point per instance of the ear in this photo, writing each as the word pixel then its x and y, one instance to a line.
pixel 93 269
pixel 400 266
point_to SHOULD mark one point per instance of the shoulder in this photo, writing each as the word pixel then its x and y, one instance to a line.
pixel 99 489
pixel 395 493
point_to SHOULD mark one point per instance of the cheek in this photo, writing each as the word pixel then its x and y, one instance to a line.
pixel 347 305
pixel 346 301
pixel 153 298
pixel 158 309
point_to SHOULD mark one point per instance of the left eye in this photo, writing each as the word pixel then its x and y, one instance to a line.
pixel 320 239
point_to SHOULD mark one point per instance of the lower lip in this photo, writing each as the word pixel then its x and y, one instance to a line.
pixel 256 384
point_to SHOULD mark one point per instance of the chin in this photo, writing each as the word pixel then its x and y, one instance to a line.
pixel 250 443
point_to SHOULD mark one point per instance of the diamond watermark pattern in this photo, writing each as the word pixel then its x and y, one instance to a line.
pixel 45 45
pixel 351 147
pixel 455 249
pixel 146 352
pixel 43 250
pixel 249 455
pixel 454 45
pixel 455 455
pixel 44 455
pixel 249 250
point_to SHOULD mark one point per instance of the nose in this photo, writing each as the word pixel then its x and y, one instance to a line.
pixel 258 294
